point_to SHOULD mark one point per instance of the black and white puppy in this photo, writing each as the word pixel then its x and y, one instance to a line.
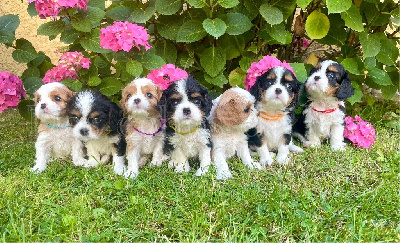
pixel 277 93
pixel 323 117
pixel 96 122
pixel 185 104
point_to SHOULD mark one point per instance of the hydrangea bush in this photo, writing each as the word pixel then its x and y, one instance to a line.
pixel 216 41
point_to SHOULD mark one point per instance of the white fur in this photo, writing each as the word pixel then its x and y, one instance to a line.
pixel 228 141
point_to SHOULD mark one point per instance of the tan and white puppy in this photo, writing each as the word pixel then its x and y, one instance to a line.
pixel 144 127
pixel 55 137
pixel 232 115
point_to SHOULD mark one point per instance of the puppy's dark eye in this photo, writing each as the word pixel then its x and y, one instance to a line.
pixel 175 102
pixel 38 100
pixel 246 110
pixel 96 120
pixel 128 96
pixel 149 95
pixel 73 119
pixel 196 101
pixel 269 83
pixel 288 85
pixel 57 98
pixel 330 75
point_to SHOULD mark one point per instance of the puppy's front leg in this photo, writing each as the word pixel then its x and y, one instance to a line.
pixel 313 139
pixel 133 158
pixel 94 157
pixel 282 156
pixel 263 153
pixel 336 138
pixel 42 154
pixel 158 155
pixel 179 160
pixel 77 153
pixel 244 154
pixel 205 161
pixel 221 166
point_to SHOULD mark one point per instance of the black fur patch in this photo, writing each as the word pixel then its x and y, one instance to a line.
pixel 254 138
pixel 288 138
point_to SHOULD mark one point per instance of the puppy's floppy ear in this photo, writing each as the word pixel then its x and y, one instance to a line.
pixel 256 90
pixel 122 101
pixel 207 101
pixel 345 90
pixel 162 104
pixel 116 115
pixel 297 93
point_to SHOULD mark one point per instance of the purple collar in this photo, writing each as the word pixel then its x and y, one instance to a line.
pixel 151 134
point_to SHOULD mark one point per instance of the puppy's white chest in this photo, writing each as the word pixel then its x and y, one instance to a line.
pixel 321 123
pixel 103 145
pixel 191 144
pixel 61 142
pixel 274 130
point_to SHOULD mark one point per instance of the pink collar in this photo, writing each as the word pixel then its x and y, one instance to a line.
pixel 326 111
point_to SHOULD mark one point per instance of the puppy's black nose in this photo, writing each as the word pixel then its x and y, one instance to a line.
pixel 84 131
pixel 43 106
pixel 278 91
pixel 186 111
pixel 137 101
pixel 317 78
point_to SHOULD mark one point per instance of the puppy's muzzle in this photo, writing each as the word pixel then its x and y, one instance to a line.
pixel 316 78
pixel 136 101
pixel 84 132
pixel 186 111
pixel 43 106
pixel 278 91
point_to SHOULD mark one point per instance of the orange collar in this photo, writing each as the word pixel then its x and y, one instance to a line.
pixel 269 117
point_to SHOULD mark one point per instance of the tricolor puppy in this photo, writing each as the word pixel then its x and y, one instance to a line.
pixel 185 104
pixel 55 134
pixel 277 93
pixel 232 115
pixel 323 116
pixel 144 127
pixel 96 122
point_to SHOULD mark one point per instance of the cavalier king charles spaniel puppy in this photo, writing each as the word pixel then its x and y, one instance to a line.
pixel 54 132
pixel 232 115
pixel 185 104
pixel 144 126
pixel 327 87
pixel 96 122
pixel 277 92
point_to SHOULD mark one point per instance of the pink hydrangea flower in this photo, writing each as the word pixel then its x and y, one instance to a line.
pixel 258 68
pixel 11 90
pixel 166 75
pixel 124 36
pixel 51 8
pixel 305 42
pixel 70 63
pixel 359 132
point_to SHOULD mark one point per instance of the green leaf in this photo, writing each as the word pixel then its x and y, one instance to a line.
pixel 8 24
pixel 389 91
pixel 215 27
pixel 166 50
pixel 287 7
pixel 351 65
pixel 51 28
pixel 32 9
pixel 370 62
pixel 379 76
pixel 236 77
pixel 168 7
pixel 373 14
pixel 213 60
pixel 32 84
pixel 97 3
pixel 30 72
pixel 271 14
pixel 85 20
pixel 278 32
pixel 237 23
pixel 26 109
pixel 370 44
pixel 228 3
pixel 218 80
pixel 151 61
pixel 197 3
pixel 134 68
pixel 300 71
pixel 352 18
pixel 168 26
pixel 69 35
pixel 338 6
pixel 185 61
pixel 91 42
pixel 303 3
pixel 388 53
pixel 94 81
pixel 233 45
pixel 142 16
pixel 110 86
pixel 357 94
pixel 73 84
pixel 245 62
pixel 191 31
pixel 24 51
pixel 317 25
pixel 120 13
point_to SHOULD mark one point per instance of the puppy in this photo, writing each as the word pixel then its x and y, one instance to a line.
pixel 323 116
pixel 232 115
pixel 185 104
pixel 144 127
pixel 277 92
pixel 55 134
pixel 96 122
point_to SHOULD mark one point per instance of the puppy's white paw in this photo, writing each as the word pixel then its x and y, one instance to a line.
pixel 156 163
pixel 295 148
pixel 171 164
pixel 338 147
pixel 311 144
pixel 119 169
pixel 283 160
pixel 38 168
pixel 266 161
pixel 104 159
pixel 256 165
pixel 201 171
pixel 131 174
pixel 91 163
pixel 223 175
pixel 79 162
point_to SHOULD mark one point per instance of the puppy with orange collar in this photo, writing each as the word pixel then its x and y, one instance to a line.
pixel 232 115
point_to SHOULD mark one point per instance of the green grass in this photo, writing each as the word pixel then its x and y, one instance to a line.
pixel 321 196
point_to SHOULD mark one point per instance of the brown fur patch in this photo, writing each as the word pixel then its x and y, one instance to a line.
pixel 331 90
pixel 288 77
pixel 318 66
pixel 176 96
pixel 94 114
pixel 37 96
pixel 76 113
pixel 156 92
pixel 43 128
pixel 272 75
pixel 65 94
pixel 230 109
pixel 97 131
pixel 332 68
pixel 195 95
pixel 130 89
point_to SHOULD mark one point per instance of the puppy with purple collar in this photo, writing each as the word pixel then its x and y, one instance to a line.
pixel 232 115
pixel 277 93
pixel 55 137
pixel 328 86
pixel 144 128
pixel 185 104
